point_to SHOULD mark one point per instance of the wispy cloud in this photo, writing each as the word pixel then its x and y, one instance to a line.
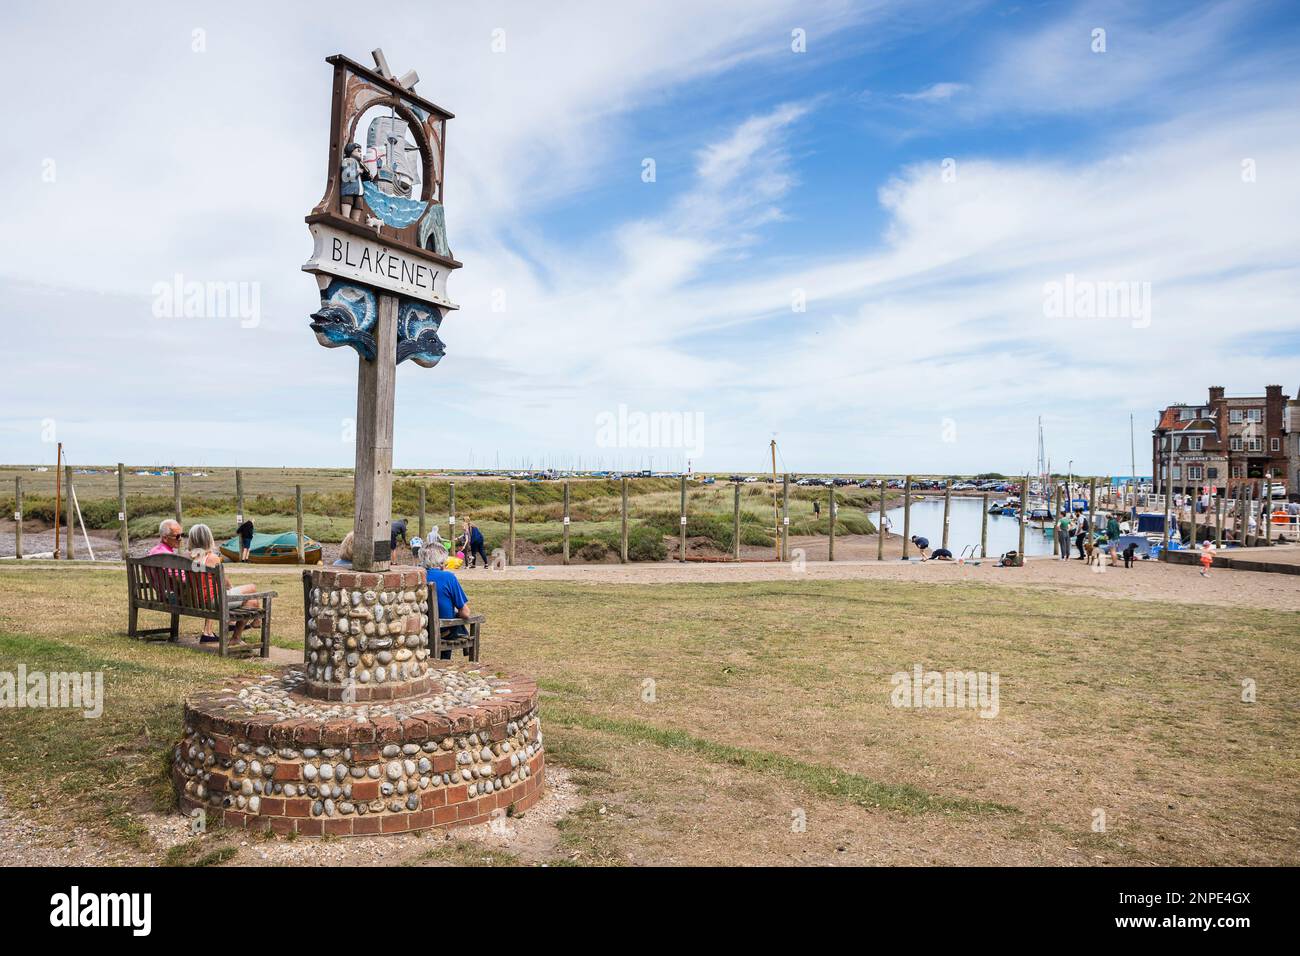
pixel 935 93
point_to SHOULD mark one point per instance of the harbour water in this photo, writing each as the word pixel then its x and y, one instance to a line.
pixel 964 527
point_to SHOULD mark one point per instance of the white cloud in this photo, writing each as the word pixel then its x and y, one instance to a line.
pixel 935 93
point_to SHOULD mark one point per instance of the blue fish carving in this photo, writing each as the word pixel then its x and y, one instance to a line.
pixel 346 317
pixel 417 333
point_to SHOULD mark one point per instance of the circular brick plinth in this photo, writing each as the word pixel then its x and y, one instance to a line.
pixel 261 754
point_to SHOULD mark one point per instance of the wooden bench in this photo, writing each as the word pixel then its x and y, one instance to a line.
pixel 441 630
pixel 170 584
pixel 441 637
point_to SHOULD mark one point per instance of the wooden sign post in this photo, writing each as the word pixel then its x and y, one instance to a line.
pixel 381 262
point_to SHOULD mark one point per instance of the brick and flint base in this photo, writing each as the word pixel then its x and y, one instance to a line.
pixel 432 745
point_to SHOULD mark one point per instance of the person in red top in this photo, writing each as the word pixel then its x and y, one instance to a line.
pixel 204 554
pixel 1207 559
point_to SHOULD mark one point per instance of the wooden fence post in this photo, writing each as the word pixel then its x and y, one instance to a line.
pixel 1218 519
pixel 682 555
pixel 1169 500
pixel 735 523
pixel 1024 507
pixel 1251 538
pixel 984 528
pixel 1266 511
pixel 297 507
pixel 176 495
pixel 622 536
pixel 239 497
pixel 880 527
pixel 69 548
pixel 423 526
pixel 907 515
pixel 566 522
pixel 121 511
pixel 451 510
pixel 830 542
pixel 18 517
pixel 512 522
pixel 947 509
pixel 785 517
pixel 1054 505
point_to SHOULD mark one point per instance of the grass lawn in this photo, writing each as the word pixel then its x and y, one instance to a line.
pixel 752 723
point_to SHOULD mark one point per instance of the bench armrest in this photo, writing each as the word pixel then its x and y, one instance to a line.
pixel 259 594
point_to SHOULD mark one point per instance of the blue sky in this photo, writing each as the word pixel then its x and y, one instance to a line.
pixel 920 174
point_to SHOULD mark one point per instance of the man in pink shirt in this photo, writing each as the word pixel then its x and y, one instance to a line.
pixel 169 537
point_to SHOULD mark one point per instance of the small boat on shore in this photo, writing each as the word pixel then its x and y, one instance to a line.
pixel 275 549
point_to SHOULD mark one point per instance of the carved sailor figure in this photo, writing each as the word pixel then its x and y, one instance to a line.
pixel 351 175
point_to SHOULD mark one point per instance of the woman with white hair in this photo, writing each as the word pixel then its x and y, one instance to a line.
pixel 444 587
pixel 203 548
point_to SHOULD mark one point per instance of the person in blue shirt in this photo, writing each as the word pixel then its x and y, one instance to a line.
pixel 922 544
pixel 472 543
pixel 443 585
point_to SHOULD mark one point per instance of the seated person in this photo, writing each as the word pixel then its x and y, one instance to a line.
pixel 344 560
pixel 203 552
pixel 452 602
pixel 169 537
pixel 922 544
pixel 940 554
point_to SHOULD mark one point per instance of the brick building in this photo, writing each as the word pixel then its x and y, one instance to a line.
pixel 1226 439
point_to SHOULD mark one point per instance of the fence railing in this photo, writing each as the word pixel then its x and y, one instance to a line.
pixel 1224 516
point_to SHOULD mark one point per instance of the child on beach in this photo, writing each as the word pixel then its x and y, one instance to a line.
pixel 1207 559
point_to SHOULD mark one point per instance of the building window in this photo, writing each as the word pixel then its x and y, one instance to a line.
pixel 1234 415
pixel 1255 414
pixel 1193 472
pixel 1256 444
pixel 1186 414
pixel 1195 444
pixel 1211 472
pixel 1234 444
pixel 1275 444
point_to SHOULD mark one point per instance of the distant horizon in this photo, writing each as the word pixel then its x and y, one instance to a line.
pixel 578 472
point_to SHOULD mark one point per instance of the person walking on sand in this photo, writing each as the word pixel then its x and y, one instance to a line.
pixel 473 539
pixel 1063 537
pixel 1207 558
